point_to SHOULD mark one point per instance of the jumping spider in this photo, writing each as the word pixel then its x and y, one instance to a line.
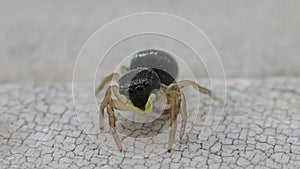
pixel 149 71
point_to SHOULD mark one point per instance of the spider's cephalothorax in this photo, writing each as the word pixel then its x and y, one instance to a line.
pixel 138 84
pixel 149 70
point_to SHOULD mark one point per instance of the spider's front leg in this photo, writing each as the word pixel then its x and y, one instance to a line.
pixel 112 124
pixel 177 100
pixel 174 112
pixel 111 105
pixel 174 98
pixel 178 105
pixel 104 104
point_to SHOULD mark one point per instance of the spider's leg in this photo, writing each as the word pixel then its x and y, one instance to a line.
pixel 119 96
pixel 101 115
pixel 183 115
pixel 104 104
pixel 111 105
pixel 118 104
pixel 186 83
pixel 124 69
pixel 105 81
pixel 112 124
pixel 173 115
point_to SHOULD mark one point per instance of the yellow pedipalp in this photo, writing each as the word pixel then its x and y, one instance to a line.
pixel 148 107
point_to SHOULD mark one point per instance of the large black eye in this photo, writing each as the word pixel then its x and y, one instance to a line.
pixel 146 84
pixel 139 88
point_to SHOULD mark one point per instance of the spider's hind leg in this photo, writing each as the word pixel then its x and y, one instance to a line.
pixel 186 83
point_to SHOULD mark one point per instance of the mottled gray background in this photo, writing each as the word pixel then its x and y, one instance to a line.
pixel 40 40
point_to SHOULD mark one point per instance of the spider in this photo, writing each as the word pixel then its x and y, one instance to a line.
pixel 150 70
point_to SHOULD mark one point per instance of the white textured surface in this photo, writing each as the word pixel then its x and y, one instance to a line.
pixel 260 128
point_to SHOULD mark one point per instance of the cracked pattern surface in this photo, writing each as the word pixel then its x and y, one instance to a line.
pixel 260 128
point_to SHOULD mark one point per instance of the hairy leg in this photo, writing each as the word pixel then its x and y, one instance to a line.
pixel 105 81
pixel 119 96
pixel 183 115
pixel 104 104
pixel 112 124
pixel 109 78
pixel 119 103
pixel 177 100
pixel 111 105
pixel 174 112
pixel 124 69
pixel 186 83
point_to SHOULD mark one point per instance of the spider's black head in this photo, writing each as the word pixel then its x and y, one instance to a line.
pixel 138 84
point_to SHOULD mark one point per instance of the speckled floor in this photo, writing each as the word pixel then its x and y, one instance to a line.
pixel 259 128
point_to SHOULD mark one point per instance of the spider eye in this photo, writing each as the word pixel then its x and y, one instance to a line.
pixel 139 88
pixel 146 84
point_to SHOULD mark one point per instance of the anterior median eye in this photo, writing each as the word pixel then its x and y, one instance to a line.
pixel 146 84
pixel 139 88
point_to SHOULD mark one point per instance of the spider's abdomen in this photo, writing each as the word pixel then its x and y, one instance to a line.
pixel 138 84
pixel 161 62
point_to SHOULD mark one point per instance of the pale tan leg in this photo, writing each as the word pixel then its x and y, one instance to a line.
pixel 119 104
pixel 124 69
pixel 110 77
pixel 101 116
pixel 112 124
pixel 183 115
pixel 119 96
pixel 174 113
pixel 174 99
pixel 177 101
pixel 111 104
pixel 186 83
pixel 105 81
pixel 104 104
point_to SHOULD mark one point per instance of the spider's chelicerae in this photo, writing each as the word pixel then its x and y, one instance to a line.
pixel 149 71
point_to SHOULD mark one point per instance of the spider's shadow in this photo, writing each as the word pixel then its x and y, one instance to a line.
pixel 134 129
